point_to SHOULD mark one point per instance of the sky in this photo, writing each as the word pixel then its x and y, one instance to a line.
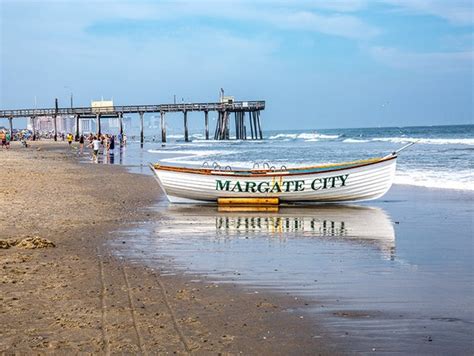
pixel 317 64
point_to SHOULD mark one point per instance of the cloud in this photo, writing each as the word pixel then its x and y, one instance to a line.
pixel 336 5
pixel 439 61
pixel 45 56
pixel 336 25
pixel 458 12
pixel 458 41
pixel 328 18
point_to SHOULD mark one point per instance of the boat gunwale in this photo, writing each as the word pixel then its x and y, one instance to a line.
pixel 287 172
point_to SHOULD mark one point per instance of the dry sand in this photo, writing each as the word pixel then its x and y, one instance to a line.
pixel 72 295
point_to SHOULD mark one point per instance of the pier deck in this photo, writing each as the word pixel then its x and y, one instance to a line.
pixel 240 109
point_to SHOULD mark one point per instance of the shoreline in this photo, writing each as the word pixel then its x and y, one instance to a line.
pixel 78 297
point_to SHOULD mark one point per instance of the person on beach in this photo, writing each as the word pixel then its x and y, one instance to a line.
pixel 95 148
pixel 3 138
pixel 81 143
pixel 105 142
pixel 8 138
pixel 110 149
pixel 112 143
pixel 69 138
pixel 22 139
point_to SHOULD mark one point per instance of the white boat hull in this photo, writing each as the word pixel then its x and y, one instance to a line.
pixel 355 183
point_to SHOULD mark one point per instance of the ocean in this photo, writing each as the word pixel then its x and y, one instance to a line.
pixel 442 157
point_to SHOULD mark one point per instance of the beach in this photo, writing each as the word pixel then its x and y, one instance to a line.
pixel 227 178
pixel 79 296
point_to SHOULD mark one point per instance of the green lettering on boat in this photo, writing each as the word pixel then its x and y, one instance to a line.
pixel 250 187
pixel 299 185
pixel 287 185
pixel 313 185
pixel 325 183
pixel 275 188
pixel 343 179
pixel 222 186
pixel 237 187
pixel 265 190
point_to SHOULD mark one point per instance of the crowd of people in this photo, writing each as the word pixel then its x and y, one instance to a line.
pixel 103 143
pixel 106 142
pixel 6 137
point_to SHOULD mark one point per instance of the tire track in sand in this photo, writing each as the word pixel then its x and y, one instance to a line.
pixel 105 336
pixel 133 312
pixel 173 316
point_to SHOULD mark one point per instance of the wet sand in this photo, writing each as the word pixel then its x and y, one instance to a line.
pixel 387 276
pixel 78 297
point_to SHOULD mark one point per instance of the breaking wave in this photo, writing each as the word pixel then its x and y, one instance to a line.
pixel 191 157
pixel 428 141
pixel 313 137
pixel 307 136
pixel 461 180
pixel 353 140
pixel 283 136
pixel 316 136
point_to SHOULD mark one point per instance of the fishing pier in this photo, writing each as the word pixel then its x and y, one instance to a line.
pixel 246 115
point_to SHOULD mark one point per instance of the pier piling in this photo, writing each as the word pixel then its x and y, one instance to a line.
pixel 222 127
pixel 55 128
pixel 33 126
pixel 163 127
pixel 55 118
pixel 217 126
pixel 236 126
pixel 227 125
pixel 251 125
pixel 142 135
pixel 10 121
pixel 244 127
pixel 254 123
pixel 76 138
pixel 97 118
pixel 186 137
pixel 120 115
pixel 206 123
pixel 217 134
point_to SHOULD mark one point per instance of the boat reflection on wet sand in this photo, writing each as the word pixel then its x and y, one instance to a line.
pixel 347 223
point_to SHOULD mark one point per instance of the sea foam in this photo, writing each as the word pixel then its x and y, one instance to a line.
pixel 461 180
pixel 429 141
pixel 353 140
pixel 307 136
